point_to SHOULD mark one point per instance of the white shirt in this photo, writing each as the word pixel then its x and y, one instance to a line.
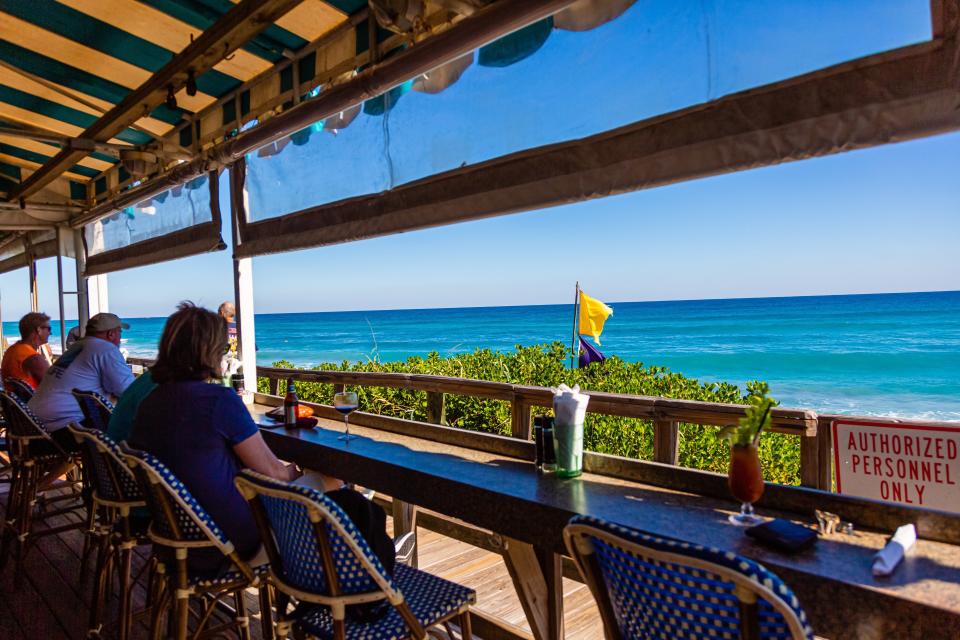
pixel 90 364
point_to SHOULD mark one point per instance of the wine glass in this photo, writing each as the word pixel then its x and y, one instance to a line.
pixel 345 402
pixel 746 483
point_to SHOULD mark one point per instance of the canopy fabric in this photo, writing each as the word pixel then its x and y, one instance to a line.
pixel 896 95
pixel 180 222
pixel 18 251
pixel 64 63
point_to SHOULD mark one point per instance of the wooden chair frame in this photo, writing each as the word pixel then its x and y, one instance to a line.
pixel 319 516
pixel 26 472
pixel 172 589
pixel 109 528
pixel 577 539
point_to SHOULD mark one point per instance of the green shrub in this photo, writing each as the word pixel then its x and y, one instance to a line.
pixel 548 366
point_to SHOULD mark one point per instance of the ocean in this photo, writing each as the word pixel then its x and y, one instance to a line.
pixel 894 355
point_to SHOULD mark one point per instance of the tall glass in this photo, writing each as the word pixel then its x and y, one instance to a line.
pixel 346 403
pixel 746 483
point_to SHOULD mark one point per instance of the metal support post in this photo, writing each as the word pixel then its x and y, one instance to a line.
pixel 243 294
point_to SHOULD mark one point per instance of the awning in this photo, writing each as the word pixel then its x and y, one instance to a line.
pixel 180 222
pixel 896 95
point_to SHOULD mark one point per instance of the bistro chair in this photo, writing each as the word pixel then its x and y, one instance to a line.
pixel 654 587
pixel 179 524
pixel 112 532
pixel 19 388
pixel 318 558
pixel 96 409
pixel 33 453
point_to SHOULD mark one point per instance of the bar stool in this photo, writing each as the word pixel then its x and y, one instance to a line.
pixel 96 409
pixel 318 557
pixel 655 587
pixel 96 415
pixel 178 525
pixel 114 493
pixel 33 453
pixel 19 388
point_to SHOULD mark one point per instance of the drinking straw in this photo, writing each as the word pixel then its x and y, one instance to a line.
pixel 763 420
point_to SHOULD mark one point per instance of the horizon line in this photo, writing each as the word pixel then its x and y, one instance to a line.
pixel 560 304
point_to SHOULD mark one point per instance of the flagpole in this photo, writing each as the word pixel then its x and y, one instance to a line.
pixel 574 343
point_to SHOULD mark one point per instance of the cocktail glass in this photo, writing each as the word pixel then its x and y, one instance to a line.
pixel 746 483
pixel 346 403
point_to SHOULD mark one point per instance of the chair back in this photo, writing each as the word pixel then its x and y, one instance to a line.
pixel 314 548
pixel 654 587
pixel 19 388
pixel 178 520
pixel 22 422
pixel 113 480
pixel 96 409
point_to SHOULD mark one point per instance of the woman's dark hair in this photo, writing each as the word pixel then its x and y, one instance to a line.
pixel 192 345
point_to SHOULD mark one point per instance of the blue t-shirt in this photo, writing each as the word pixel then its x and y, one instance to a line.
pixel 121 420
pixel 192 428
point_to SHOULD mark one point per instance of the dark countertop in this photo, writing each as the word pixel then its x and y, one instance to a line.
pixel 508 496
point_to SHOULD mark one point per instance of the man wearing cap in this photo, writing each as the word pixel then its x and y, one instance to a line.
pixel 93 363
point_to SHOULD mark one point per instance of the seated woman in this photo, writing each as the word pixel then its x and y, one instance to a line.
pixel 205 435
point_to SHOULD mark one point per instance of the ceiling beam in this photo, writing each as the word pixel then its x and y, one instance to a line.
pixel 227 34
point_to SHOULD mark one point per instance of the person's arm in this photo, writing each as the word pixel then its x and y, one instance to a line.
pixel 115 374
pixel 36 366
pixel 255 454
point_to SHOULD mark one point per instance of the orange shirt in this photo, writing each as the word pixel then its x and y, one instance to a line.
pixel 13 359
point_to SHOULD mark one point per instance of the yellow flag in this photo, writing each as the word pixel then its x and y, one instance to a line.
pixel 593 314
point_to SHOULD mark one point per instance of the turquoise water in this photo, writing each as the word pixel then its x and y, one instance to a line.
pixel 889 354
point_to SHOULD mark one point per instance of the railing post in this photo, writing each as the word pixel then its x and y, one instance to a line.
pixel 520 419
pixel 436 408
pixel 810 462
pixel 274 386
pixel 666 441
pixel 825 446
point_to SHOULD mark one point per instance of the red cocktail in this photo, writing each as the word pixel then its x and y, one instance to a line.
pixel 746 483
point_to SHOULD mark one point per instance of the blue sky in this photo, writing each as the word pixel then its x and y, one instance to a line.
pixel 877 220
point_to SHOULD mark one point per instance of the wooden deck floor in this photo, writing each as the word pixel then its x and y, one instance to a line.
pixel 53 603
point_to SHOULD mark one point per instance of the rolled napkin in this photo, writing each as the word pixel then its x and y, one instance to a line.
pixel 569 405
pixel 887 559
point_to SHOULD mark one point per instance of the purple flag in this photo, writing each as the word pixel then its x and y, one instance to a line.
pixel 589 353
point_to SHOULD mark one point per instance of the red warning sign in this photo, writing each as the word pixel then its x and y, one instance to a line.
pixel 914 464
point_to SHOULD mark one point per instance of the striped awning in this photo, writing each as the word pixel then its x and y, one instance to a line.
pixel 64 64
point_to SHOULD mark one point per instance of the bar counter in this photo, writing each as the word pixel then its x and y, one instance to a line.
pixel 529 510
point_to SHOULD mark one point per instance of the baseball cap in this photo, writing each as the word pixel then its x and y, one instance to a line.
pixel 105 322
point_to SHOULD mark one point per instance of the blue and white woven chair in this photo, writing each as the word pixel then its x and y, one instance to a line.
pixel 179 524
pixel 115 493
pixel 653 587
pixel 318 557
pixel 96 409
pixel 33 453
pixel 18 388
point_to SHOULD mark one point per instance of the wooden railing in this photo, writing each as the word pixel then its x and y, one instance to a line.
pixel 812 429
pixel 665 414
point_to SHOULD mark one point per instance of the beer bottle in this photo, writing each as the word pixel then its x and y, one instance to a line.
pixel 290 406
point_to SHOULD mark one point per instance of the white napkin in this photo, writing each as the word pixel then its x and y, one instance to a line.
pixel 887 559
pixel 569 405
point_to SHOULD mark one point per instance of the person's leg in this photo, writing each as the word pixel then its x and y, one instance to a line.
pixel 371 520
